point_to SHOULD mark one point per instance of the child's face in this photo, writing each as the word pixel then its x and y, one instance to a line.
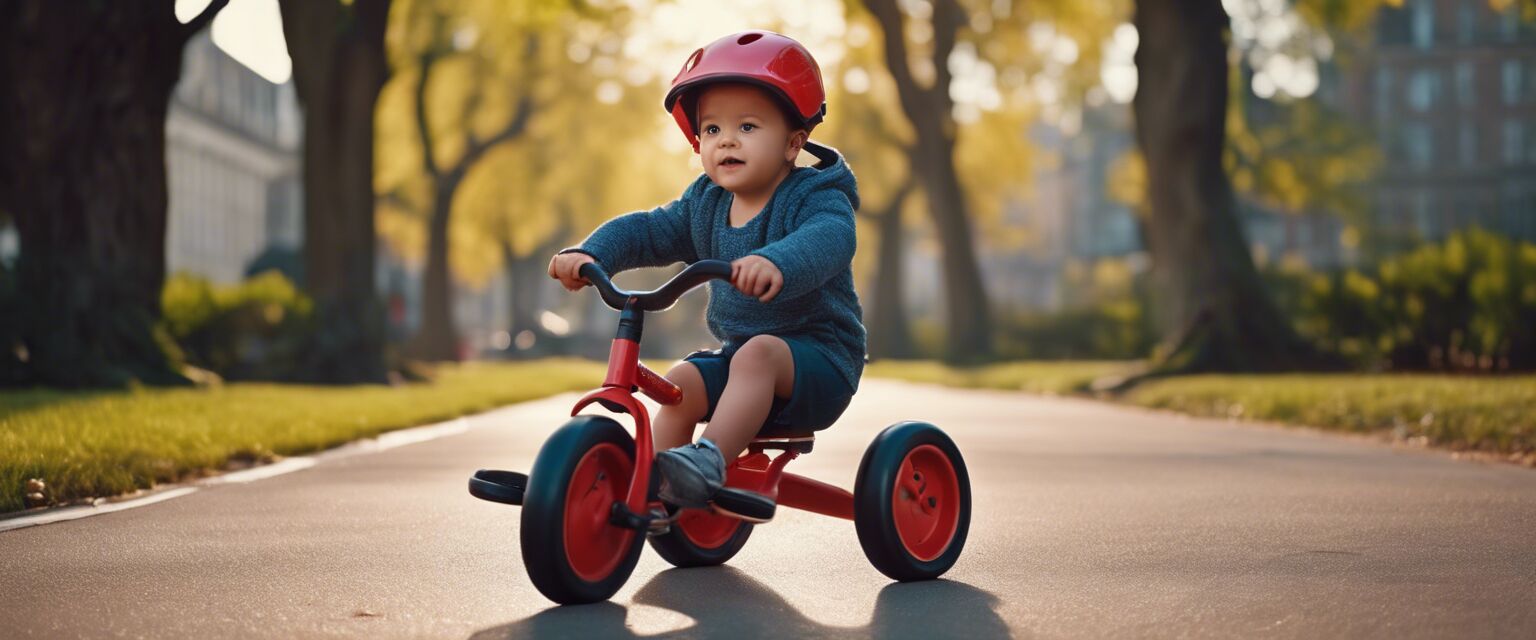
pixel 744 142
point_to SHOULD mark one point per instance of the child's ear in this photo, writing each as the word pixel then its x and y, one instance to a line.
pixel 796 143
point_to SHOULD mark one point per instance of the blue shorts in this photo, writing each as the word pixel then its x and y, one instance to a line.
pixel 819 397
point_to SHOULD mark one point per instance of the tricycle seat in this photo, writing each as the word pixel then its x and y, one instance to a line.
pixel 784 440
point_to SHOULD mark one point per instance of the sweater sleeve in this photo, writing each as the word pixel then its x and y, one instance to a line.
pixel 654 238
pixel 820 247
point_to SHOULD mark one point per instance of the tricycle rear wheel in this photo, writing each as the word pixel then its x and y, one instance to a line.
pixel 701 539
pixel 571 551
pixel 912 502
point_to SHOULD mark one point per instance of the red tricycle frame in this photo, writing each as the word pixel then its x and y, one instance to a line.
pixel 589 495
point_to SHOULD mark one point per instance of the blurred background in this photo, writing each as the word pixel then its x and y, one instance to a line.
pixel 325 191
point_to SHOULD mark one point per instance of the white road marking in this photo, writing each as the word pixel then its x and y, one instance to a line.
pixel 85 511
pixel 382 442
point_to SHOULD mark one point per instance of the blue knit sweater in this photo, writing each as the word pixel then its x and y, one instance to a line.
pixel 806 230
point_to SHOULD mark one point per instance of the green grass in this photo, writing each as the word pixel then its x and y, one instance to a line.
pixel 1495 414
pixel 1053 377
pixel 109 443
pixel 1469 413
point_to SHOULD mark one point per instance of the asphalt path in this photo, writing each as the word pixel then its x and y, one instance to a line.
pixel 1090 520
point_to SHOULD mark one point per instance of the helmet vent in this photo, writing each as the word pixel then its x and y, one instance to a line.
pixel 693 60
pixel 749 38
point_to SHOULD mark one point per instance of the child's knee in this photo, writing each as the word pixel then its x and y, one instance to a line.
pixel 767 357
pixel 762 353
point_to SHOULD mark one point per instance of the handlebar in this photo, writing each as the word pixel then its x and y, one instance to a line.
pixel 664 296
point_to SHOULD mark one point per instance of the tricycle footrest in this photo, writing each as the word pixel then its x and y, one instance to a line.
pixel 505 487
pixel 747 505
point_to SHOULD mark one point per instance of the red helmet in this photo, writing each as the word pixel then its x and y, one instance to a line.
pixel 764 58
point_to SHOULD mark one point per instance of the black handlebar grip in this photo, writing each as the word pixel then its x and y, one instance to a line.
pixel 611 295
pixel 662 298
pixel 696 274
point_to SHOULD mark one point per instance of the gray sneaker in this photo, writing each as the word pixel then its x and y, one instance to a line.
pixel 691 474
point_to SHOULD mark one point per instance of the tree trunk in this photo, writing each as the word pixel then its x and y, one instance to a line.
pixel 890 335
pixel 1213 311
pixel 437 339
pixel 967 311
pixel 84 89
pixel 339 68
pixel 523 280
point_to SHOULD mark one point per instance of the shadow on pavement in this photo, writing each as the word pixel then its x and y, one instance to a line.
pixel 723 601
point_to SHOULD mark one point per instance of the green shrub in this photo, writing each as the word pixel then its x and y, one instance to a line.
pixel 1466 304
pixel 1114 330
pixel 255 330
pixel 1105 317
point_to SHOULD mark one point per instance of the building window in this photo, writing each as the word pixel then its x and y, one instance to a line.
pixel 1509 22
pixel 1384 98
pixel 1392 26
pixel 1423 24
pixel 1466 143
pixel 1466 22
pixel 1466 84
pixel 1511 209
pixel 1514 141
pixel 1423 87
pixel 1511 84
pixel 1419 145
pixel 1530 144
pixel 1423 206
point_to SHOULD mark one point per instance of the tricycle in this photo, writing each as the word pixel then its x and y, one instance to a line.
pixel 592 496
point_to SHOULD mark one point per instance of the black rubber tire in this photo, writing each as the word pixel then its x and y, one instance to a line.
pixel 675 547
pixel 543 518
pixel 872 492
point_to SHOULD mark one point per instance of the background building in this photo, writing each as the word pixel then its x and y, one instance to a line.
pixel 1070 215
pixel 232 141
pixel 1449 87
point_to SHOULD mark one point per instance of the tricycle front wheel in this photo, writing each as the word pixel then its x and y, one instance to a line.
pixel 572 553
pixel 912 502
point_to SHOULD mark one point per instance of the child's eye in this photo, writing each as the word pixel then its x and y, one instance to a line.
pixel 748 127
pixel 711 129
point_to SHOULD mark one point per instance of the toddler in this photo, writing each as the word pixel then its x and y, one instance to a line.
pixel 789 322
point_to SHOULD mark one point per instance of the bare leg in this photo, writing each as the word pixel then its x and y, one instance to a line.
pixel 674 425
pixel 762 369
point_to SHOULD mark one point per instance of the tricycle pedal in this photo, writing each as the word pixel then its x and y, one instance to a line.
pixel 747 505
pixel 660 524
pixel 494 485
pixel 653 522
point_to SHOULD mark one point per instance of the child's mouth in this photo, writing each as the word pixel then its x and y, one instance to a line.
pixel 731 163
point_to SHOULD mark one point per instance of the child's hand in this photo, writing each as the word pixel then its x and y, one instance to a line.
pixel 758 277
pixel 566 267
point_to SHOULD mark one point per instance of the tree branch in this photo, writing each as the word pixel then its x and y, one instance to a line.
pixel 393 198
pixel 893 206
pixel 474 147
pixel 917 101
pixel 891 25
pixel 371 17
pixel 423 127
pixel 197 23
pixel 514 128
pixel 948 16
pixel 472 104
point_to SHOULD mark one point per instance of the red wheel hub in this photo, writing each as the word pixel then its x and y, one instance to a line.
pixel 707 530
pixel 593 547
pixel 925 502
